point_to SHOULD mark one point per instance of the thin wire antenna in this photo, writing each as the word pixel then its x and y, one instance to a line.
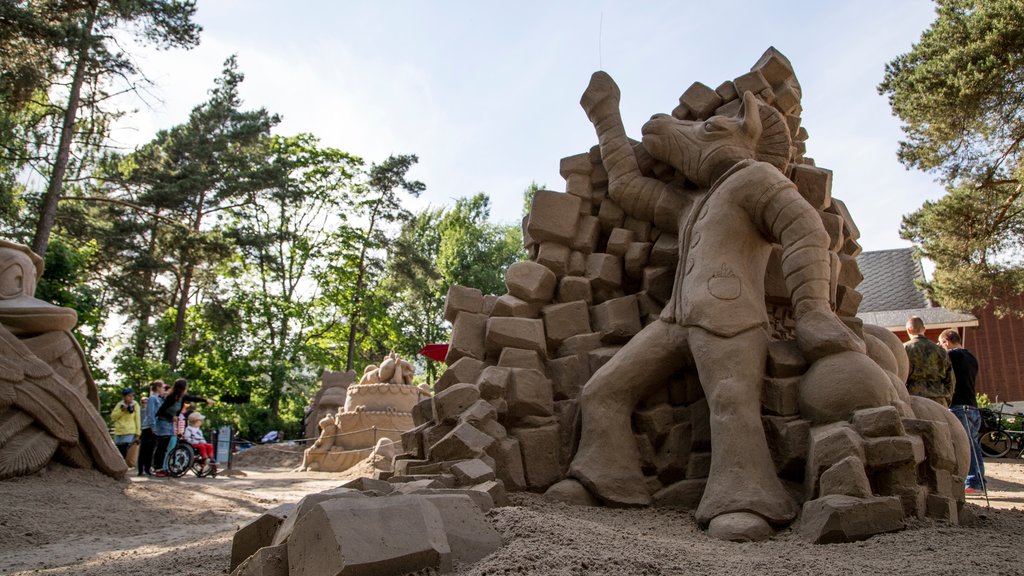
pixel 600 29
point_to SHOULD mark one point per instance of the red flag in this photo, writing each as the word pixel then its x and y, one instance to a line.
pixel 436 352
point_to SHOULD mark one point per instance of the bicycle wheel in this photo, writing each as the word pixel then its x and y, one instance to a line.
pixel 994 444
pixel 179 460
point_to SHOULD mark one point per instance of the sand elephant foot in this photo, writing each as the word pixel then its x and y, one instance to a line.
pixel 613 483
pixel 740 527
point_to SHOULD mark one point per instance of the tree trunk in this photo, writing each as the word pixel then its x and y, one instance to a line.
pixel 48 212
pixel 146 306
pixel 356 294
pixel 174 344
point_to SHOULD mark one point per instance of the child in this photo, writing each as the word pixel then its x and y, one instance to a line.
pixel 194 436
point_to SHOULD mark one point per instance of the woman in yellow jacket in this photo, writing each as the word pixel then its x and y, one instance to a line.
pixel 125 417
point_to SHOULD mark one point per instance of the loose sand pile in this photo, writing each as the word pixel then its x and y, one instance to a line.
pixel 269 456
pixel 74 522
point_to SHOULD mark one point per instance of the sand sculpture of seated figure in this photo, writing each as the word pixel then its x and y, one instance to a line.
pixel 393 370
pixel 325 441
pixel 716 318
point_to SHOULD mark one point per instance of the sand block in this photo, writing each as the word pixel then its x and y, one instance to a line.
pixel 530 394
pixel 837 518
pixel 829 445
pixel 540 455
pixel 517 358
pixel 391 535
pixel 610 215
pixel 700 101
pixel 619 241
pixel 699 465
pixel 530 281
pixel 267 561
pixel 833 224
pixel 579 185
pixel 470 536
pixel 473 471
pixel 464 370
pixel 785 359
pixel 468 332
pixel 846 477
pixel 462 299
pixel 942 508
pixel 814 184
pixel 684 494
pixel 508 305
pixel 423 411
pixel 366 484
pixel 410 484
pixel 572 288
pixel 553 216
pixel 508 461
pixel 894 450
pixel 587 234
pixel 936 442
pixel 493 382
pixel 450 403
pixel 479 413
pixel 604 271
pixel 481 500
pixel 774 66
pixel 495 489
pixel 579 344
pixel 877 422
pixel 555 257
pixel 781 396
pixel 654 421
pixel 617 319
pixel 849 271
pixel 657 282
pixel 674 453
pixel 752 81
pixel 788 442
pixel 577 164
pixel 568 376
pixel 258 533
pixel 463 442
pixel 635 259
pixel 665 251
pixel 284 531
pixel 564 320
pixel 524 333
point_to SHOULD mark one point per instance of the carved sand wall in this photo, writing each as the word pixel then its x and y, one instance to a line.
pixel 48 400
pixel 853 452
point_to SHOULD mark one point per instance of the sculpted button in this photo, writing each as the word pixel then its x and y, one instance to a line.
pixel 696 239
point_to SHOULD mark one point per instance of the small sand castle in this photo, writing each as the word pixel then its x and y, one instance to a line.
pixel 378 408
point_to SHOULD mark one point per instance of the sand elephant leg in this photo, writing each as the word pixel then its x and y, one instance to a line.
pixel 607 461
pixel 742 477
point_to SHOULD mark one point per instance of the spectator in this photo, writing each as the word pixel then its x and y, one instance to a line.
pixel 147 445
pixel 125 417
pixel 194 436
pixel 931 374
pixel 965 404
pixel 166 416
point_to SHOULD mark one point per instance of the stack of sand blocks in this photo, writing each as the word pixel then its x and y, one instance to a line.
pixel 370 526
pixel 517 362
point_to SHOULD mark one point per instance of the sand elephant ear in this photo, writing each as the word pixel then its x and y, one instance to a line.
pixel 774 145
pixel 750 116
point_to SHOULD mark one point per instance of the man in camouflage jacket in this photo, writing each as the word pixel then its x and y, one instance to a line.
pixel 931 372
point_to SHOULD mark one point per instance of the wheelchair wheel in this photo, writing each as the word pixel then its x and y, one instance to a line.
pixel 179 460
pixel 994 444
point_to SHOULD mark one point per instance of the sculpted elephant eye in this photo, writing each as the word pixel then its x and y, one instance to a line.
pixel 12 281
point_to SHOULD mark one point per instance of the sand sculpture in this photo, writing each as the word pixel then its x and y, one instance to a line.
pixel 330 397
pixel 378 408
pixel 49 404
pixel 685 334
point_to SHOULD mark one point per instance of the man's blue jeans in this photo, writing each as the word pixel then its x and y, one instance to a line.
pixel 970 417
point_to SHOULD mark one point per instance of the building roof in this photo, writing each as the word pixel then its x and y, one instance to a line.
pixel 890 296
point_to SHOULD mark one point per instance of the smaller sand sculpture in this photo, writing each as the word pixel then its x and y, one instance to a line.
pixel 49 407
pixel 328 399
pixel 378 407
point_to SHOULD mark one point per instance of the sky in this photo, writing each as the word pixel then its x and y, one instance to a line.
pixel 487 93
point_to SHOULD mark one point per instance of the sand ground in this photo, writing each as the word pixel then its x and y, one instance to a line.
pixel 74 522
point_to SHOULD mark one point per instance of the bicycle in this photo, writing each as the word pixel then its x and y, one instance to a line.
pixel 996 438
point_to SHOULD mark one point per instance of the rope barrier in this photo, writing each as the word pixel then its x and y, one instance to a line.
pixel 375 429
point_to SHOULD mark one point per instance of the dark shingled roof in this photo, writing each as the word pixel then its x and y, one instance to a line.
pixel 889 280
pixel 890 296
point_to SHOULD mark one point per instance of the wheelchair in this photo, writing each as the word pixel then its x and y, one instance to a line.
pixel 182 457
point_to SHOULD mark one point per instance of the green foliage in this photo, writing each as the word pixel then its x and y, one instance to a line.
pixel 982 400
pixel 528 195
pixel 960 95
pixel 974 235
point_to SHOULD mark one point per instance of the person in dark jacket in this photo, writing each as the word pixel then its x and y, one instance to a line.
pixel 965 403
pixel 157 390
pixel 163 424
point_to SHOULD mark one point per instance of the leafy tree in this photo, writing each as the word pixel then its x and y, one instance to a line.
pixel 357 262
pixel 436 249
pixel 960 95
pixel 71 50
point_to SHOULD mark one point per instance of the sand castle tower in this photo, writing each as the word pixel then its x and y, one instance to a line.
pixel 377 408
